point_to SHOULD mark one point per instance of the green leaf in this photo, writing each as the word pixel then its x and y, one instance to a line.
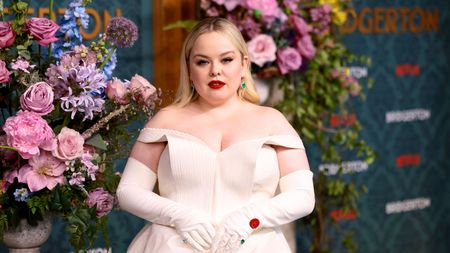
pixel 185 24
pixel 97 141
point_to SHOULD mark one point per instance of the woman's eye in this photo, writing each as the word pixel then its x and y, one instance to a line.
pixel 228 59
pixel 201 62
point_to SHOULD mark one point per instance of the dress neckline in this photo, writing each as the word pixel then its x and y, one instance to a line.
pixel 203 143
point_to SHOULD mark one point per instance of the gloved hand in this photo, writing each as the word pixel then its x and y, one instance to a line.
pixel 296 200
pixel 135 195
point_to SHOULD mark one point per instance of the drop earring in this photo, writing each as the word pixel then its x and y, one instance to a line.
pixel 243 85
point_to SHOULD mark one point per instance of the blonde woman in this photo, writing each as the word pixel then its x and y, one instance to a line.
pixel 218 157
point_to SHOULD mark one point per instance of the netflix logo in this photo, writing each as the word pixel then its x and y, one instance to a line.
pixel 407 160
pixel 340 214
pixel 407 70
pixel 342 120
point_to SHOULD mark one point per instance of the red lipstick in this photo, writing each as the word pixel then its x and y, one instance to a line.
pixel 216 84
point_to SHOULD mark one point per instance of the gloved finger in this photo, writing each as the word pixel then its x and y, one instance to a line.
pixel 190 241
pixel 199 239
pixel 210 230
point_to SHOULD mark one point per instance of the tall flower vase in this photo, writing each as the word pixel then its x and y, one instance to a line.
pixel 26 238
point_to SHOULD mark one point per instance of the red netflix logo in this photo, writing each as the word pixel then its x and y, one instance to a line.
pixel 407 69
pixel 342 120
pixel 339 214
pixel 407 160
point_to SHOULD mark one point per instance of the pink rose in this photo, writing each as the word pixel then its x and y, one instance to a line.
pixel 229 4
pixel 43 30
pixel 70 144
pixel 116 91
pixel 288 59
pixel 306 47
pixel 38 98
pixel 267 7
pixel 7 34
pixel 301 26
pixel 4 73
pixel 143 92
pixel 42 171
pixel 262 49
pixel 102 200
pixel 27 132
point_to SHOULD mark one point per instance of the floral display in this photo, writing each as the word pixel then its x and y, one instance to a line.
pixel 63 119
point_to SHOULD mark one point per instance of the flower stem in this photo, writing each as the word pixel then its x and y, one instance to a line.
pixel 50 47
pixel 102 122
pixel 110 53
pixel 8 147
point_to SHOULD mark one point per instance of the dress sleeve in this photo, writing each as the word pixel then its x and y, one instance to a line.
pixel 149 135
pixel 288 141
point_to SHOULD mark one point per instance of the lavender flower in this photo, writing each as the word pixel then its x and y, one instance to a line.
pixel 122 32
pixel 77 178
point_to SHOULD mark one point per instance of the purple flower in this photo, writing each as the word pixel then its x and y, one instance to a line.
pixel 262 49
pixel 306 47
pixel 91 168
pixel 288 59
pixel 27 132
pixel 7 34
pixel 43 30
pixel 21 194
pixel 4 73
pixel 42 171
pixel 229 4
pixel 77 178
pixel 301 26
pixel 121 32
pixel 292 5
pixel 38 98
pixel 102 200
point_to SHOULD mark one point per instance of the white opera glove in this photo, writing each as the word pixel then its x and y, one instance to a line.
pixel 296 200
pixel 135 195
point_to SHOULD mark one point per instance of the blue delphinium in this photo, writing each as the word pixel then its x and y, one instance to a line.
pixel 69 33
pixel 21 194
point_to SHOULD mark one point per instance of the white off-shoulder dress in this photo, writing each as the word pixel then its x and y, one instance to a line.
pixel 191 173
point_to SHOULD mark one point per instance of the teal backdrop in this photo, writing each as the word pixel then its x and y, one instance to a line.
pixel 406 119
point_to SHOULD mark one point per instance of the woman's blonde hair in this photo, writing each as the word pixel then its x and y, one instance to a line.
pixel 185 93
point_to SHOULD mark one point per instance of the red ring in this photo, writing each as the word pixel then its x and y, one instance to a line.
pixel 254 223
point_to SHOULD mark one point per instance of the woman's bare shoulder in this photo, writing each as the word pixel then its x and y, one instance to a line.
pixel 277 121
pixel 165 117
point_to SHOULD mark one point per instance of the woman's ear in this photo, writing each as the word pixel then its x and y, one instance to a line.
pixel 245 63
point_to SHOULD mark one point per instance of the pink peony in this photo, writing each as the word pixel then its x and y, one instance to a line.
pixel 289 59
pixel 306 47
pixel 4 73
pixel 268 8
pixel 27 132
pixel 70 144
pixel 43 170
pixel 7 34
pixel 38 98
pixel 102 200
pixel 43 30
pixel 142 90
pixel 262 49
pixel 116 91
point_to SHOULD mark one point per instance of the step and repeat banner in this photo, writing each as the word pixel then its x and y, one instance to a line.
pixel 406 119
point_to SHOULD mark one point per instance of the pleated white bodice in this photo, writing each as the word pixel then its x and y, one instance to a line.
pixel 191 173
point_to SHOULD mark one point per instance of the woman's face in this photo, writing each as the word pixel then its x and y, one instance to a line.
pixel 216 68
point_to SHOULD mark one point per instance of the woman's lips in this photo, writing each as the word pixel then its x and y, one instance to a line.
pixel 216 84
